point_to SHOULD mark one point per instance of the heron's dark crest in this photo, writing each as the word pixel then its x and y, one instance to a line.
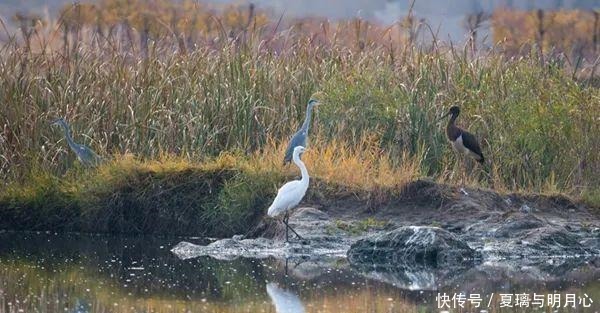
pixel 312 102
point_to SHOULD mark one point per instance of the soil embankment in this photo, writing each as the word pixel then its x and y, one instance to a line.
pixel 221 201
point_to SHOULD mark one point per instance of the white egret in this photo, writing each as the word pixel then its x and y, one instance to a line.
pixel 290 194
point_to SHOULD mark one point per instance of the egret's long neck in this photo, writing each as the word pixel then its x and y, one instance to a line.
pixel 68 134
pixel 302 167
pixel 306 124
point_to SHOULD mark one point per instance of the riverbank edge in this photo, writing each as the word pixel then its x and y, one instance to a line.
pixel 220 198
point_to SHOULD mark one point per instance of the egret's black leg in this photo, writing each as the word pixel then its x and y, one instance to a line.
pixel 299 237
pixel 285 221
pixel 286 218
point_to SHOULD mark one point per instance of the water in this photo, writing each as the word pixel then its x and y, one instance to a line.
pixel 45 272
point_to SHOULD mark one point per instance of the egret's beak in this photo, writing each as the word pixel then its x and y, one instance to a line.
pixel 441 118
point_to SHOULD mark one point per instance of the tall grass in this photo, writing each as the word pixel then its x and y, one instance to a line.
pixel 220 197
pixel 538 125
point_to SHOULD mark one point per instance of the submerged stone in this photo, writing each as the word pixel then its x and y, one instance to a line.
pixel 419 245
pixel 553 241
pixel 516 225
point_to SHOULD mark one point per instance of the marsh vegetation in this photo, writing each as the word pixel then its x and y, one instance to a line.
pixel 169 107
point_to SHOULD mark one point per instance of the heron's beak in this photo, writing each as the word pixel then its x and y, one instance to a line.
pixel 441 118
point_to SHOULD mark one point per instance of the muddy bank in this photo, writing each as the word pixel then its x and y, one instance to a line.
pixel 222 199
pixel 431 232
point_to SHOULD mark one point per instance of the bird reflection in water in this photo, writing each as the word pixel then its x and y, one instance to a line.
pixel 285 301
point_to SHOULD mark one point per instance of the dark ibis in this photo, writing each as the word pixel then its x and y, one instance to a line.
pixel 462 141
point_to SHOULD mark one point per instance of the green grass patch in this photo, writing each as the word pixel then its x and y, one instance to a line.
pixel 591 197
pixel 218 198
pixel 360 227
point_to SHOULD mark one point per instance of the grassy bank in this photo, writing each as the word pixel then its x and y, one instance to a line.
pixel 219 197
pixel 239 94
pixel 169 197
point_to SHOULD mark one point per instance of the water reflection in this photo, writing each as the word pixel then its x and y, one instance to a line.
pixel 81 306
pixel 285 301
pixel 72 273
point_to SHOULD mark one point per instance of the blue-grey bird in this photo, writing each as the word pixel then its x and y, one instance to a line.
pixel 299 138
pixel 85 155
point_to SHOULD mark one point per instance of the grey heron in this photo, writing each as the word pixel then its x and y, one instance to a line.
pixel 290 194
pixel 299 138
pixel 85 155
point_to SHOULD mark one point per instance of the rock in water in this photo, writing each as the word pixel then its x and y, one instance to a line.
pixel 552 241
pixel 516 225
pixel 430 246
